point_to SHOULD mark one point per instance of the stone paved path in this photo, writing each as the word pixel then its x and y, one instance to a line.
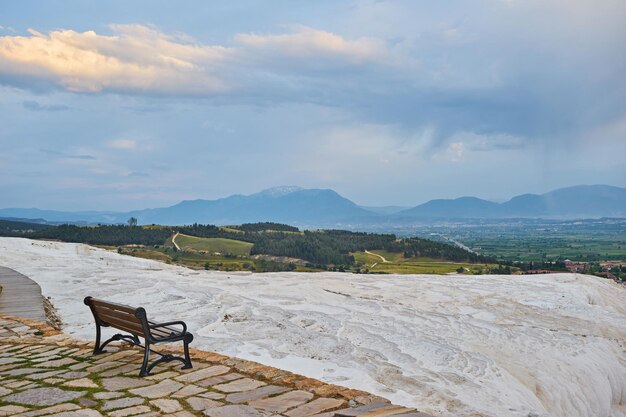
pixel 20 296
pixel 46 373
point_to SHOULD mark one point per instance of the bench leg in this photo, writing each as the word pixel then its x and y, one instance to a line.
pixel 146 357
pixel 117 337
pixel 97 349
pixel 186 341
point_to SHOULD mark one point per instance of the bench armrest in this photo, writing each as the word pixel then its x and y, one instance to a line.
pixel 170 323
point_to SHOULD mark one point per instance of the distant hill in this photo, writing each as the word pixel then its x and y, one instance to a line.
pixel 384 209
pixel 462 207
pixel 583 201
pixel 579 201
pixel 284 205
pixel 291 205
pixel 324 208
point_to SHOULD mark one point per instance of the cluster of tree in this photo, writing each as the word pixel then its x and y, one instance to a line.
pixel 208 230
pixel 423 248
pixel 321 247
pixel 13 228
pixel 334 247
pixel 264 226
pixel 501 270
pixel 105 235
pixel 539 265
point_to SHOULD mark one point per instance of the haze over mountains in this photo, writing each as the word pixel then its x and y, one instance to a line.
pixel 326 208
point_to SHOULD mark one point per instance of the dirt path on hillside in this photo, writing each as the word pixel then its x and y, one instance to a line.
pixel 174 241
pixel 382 258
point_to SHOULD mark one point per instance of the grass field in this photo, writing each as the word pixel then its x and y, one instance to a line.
pixel 214 245
pixel 539 240
pixel 554 247
pixel 398 264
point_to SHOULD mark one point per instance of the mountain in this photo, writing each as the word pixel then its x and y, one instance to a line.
pixel 384 209
pixel 292 205
pixel 324 208
pixel 579 201
pixel 582 201
pixel 35 215
pixel 464 207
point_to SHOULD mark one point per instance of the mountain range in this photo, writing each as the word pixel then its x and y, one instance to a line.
pixel 326 208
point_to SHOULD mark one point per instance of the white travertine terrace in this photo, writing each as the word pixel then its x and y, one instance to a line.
pixel 553 345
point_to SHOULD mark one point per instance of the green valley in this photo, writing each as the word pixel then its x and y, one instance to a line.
pixel 266 247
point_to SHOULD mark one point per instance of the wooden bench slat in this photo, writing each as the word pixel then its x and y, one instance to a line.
pixel 161 334
pixel 112 306
pixel 129 327
pixel 117 316
pixel 117 313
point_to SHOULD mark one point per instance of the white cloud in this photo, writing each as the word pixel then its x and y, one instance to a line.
pixel 140 59
pixel 455 151
pixel 7 28
pixel 306 42
pixel 123 144
pixel 135 57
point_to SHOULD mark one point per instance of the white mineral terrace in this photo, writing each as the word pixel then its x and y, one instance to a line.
pixel 552 345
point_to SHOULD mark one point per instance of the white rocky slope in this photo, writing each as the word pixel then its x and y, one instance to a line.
pixel 548 345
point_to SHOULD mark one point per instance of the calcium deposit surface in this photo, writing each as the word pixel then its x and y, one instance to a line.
pixel 553 345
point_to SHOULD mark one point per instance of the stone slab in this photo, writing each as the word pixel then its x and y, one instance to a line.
pixel 242 397
pixel 315 407
pixel 243 384
pixel 80 383
pixel 201 404
pixel 167 405
pixel 233 411
pixel 43 396
pixel 121 383
pixel 162 389
pixel 51 410
pixel 282 402
pixel 203 373
pixel 130 411
pixel 188 391
pixel 122 403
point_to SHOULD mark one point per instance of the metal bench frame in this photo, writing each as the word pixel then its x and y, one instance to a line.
pixel 134 321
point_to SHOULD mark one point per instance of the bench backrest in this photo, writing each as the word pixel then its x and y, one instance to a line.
pixel 126 318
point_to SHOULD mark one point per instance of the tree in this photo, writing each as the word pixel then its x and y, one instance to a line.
pixel 132 221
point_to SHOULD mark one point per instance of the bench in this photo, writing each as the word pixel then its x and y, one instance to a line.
pixel 135 322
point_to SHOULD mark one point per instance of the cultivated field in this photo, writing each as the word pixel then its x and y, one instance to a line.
pixel 396 263
pixel 213 245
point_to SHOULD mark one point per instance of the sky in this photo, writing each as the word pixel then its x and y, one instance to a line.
pixel 117 105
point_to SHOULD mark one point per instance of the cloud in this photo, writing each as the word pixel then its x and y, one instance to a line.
pixel 68 155
pixel 305 42
pixel 7 28
pixel 453 153
pixel 123 144
pixel 36 106
pixel 139 59
pixel 134 58
pixel 138 174
pixel 473 69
